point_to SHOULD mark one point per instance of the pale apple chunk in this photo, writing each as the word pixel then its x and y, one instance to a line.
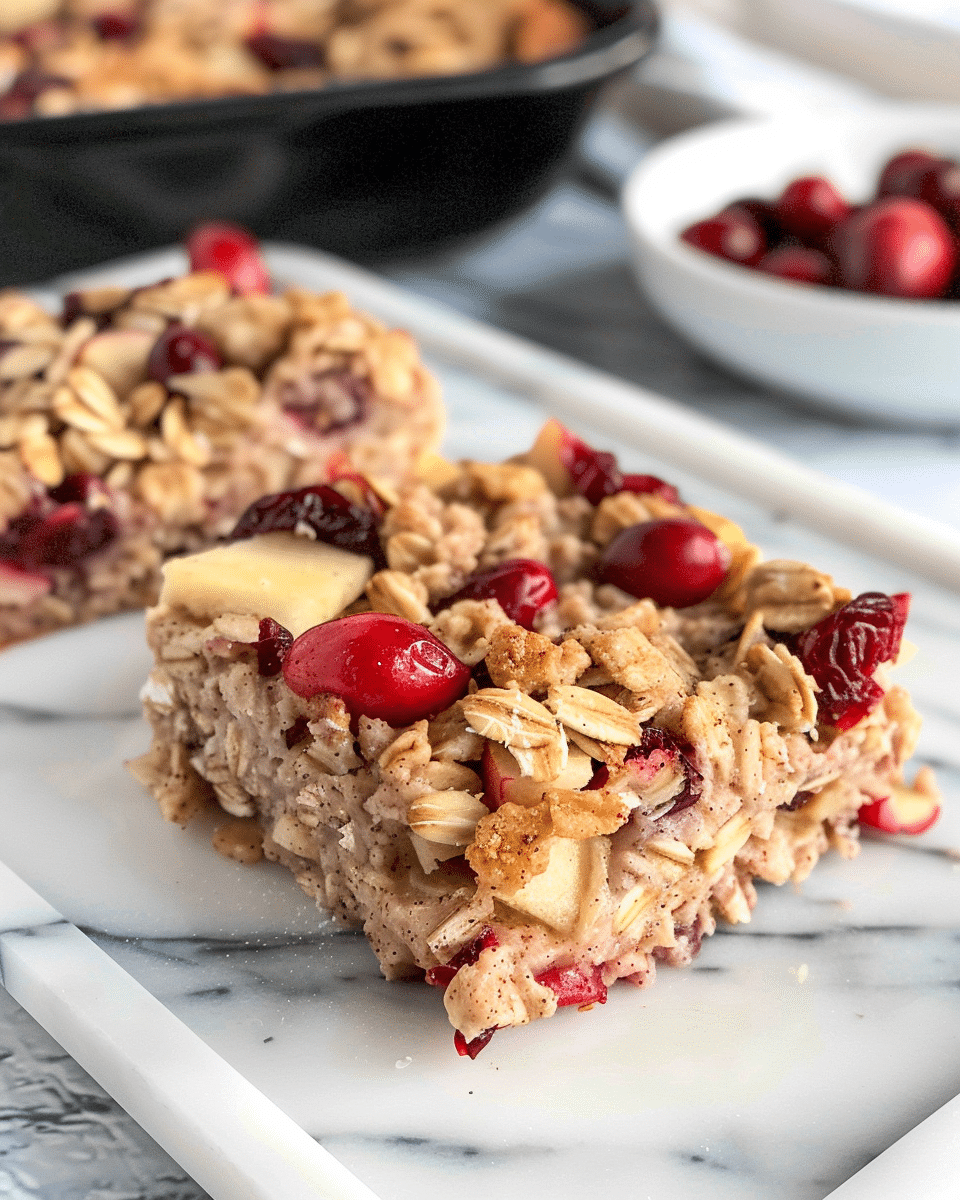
pixel 556 894
pixel 504 784
pixel 296 581
pixel 546 455
pixel 119 356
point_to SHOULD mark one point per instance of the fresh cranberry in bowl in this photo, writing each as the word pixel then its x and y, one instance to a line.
pixel 799 263
pixel 733 234
pixel 233 253
pixel 810 207
pixel 902 174
pixel 381 666
pixel 522 586
pixel 674 562
pixel 895 247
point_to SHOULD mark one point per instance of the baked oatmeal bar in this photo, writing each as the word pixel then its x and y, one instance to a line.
pixel 141 423
pixel 64 56
pixel 552 724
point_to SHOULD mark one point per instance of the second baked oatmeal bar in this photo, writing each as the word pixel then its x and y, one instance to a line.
pixel 140 423
pixel 550 726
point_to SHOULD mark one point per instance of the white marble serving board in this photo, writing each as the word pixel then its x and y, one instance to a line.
pixel 794 1050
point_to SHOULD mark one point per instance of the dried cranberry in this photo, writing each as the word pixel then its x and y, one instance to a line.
pixel 810 207
pixel 233 253
pixel 650 485
pixel 69 534
pixel 472 1048
pixel 895 247
pixel 20 97
pixel 799 263
pixel 182 351
pixel 271 645
pixel 522 586
pixel 116 26
pixel 673 562
pixel 575 985
pixel 83 487
pixel 658 749
pixel 322 510
pixel 380 666
pixel 843 650
pixel 466 956
pixel 733 234
pixel 328 400
pixel 277 53
pixel 798 801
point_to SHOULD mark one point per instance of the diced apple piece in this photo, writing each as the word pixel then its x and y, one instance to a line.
pixel 18 588
pixel 120 356
pixel 905 810
pixel 546 456
pixel 296 581
pixel 503 782
pixel 556 894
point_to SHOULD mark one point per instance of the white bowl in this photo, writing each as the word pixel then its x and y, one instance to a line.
pixel 873 356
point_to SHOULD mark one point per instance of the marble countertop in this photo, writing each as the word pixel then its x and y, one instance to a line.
pixel 560 276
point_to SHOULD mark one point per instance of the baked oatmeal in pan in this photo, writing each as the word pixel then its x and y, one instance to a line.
pixel 140 423
pixel 63 56
pixel 533 726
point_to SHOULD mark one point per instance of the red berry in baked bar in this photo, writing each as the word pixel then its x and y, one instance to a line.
pixel 440 976
pixel 272 645
pixel 650 485
pixel 380 666
pixel 843 650
pixel 182 351
pixel 277 53
pixel 575 985
pixel 19 587
pixel 231 251
pixel 472 1048
pixel 733 234
pixel 903 811
pixel 522 586
pixel 674 562
pixel 810 207
pixel 663 765
pixel 113 26
pixel 799 263
pixel 895 247
pixel 319 511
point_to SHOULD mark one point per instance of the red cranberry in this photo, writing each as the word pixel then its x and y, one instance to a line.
pixel 182 351
pixel 233 253
pixel 522 586
pixel 843 650
pixel 660 750
pixel 901 175
pixel 277 53
pixel 810 207
pixel 733 234
pixel 650 485
pixel 116 26
pixel 472 1048
pixel 673 562
pixel 594 473
pixel 895 247
pixel 272 644
pixel 940 187
pixel 575 985
pixel 20 97
pixel 321 509
pixel 69 534
pixel 380 666
pixel 765 214
pixel 440 976
pixel 799 263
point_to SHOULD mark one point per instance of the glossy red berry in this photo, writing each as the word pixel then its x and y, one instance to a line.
pixel 182 351
pixel 593 473
pixel 895 247
pixel 675 562
pixel 798 263
pixel 233 253
pixel 733 234
pixel 843 650
pixel 522 587
pixel 379 665
pixel 650 485
pixel 902 174
pixel 810 207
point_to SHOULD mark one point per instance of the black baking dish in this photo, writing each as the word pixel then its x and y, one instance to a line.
pixel 363 170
